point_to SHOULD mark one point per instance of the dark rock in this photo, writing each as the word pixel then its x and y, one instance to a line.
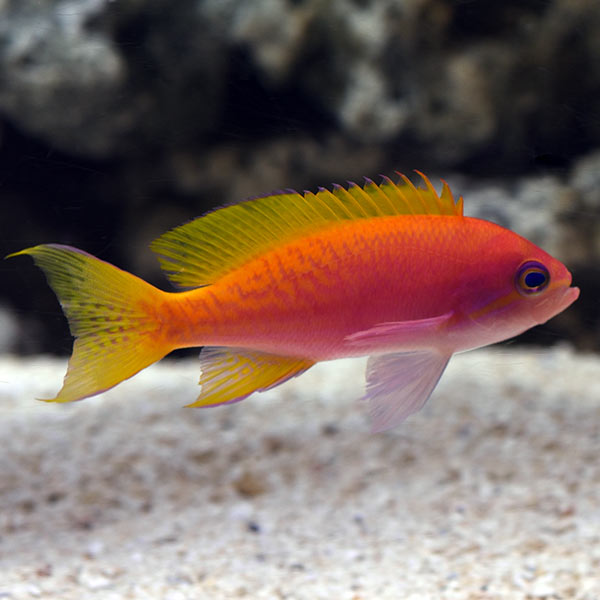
pixel 98 79
pixel 462 82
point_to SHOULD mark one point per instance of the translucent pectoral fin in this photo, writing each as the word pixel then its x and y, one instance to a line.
pixel 232 374
pixel 402 331
pixel 399 384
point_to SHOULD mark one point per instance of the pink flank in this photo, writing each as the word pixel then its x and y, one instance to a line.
pixel 442 282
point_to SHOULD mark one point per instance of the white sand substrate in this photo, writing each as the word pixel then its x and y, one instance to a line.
pixel 492 491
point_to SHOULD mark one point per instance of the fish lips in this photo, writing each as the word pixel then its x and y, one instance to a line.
pixel 554 303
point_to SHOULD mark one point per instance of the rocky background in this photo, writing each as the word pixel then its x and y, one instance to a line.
pixel 120 119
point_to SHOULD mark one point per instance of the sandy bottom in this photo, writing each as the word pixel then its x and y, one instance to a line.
pixel 492 491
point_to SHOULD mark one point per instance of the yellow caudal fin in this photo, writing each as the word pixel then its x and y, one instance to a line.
pixel 111 313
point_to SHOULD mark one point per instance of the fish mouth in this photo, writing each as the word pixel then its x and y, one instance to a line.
pixel 558 299
pixel 570 294
pixel 564 292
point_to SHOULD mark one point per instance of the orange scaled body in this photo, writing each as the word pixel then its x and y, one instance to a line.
pixel 308 297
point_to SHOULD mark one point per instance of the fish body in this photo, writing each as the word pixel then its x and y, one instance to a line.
pixel 279 283
pixel 311 296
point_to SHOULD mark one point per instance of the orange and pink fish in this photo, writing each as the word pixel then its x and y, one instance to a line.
pixel 273 285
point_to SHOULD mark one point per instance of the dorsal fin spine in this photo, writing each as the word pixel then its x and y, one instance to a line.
pixel 433 192
pixel 348 201
pixel 407 206
pixel 328 207
pixel 342 195
pixel 295 199
pixel 357 192
pixel 341 206
pixel 387 182
pixel 244 213
pixel 381 193
pixel 217 234
pixel 415 191
pixel 323 207
pixel 254 207
pixel 243 228
pixel 446 195
pixel 372 191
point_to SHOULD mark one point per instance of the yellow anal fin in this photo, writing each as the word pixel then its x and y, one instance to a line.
pixel 203 250
pixel 231 374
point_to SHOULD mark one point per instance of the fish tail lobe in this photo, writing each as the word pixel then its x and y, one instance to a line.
pixel 113 315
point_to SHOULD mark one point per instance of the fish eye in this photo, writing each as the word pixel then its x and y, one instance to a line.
pixel 532 277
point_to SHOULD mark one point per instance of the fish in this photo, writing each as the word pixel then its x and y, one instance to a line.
pixel 272 285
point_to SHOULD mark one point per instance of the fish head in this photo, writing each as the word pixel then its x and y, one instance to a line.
pixel 513 286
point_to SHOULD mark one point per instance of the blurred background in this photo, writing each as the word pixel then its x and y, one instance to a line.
pixel 121 119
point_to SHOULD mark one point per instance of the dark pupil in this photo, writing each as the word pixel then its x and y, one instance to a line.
pixel 534 279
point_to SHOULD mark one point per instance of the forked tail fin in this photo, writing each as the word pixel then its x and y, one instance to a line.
pixel 112 314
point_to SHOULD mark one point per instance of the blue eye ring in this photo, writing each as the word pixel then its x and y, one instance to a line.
pixel 532 278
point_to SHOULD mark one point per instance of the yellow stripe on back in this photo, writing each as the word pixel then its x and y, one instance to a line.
pixel 202 251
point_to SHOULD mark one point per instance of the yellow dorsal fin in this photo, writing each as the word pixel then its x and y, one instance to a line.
pixel 203 250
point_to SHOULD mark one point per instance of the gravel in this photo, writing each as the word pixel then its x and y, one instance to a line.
pixel 492 491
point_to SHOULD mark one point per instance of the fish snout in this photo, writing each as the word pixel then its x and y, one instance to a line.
pixel 554 303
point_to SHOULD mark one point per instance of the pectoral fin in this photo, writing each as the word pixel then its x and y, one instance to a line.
pixel 399 384
pixel 402 331
pixel 231 374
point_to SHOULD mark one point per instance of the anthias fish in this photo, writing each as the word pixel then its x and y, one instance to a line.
pixel 273 285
